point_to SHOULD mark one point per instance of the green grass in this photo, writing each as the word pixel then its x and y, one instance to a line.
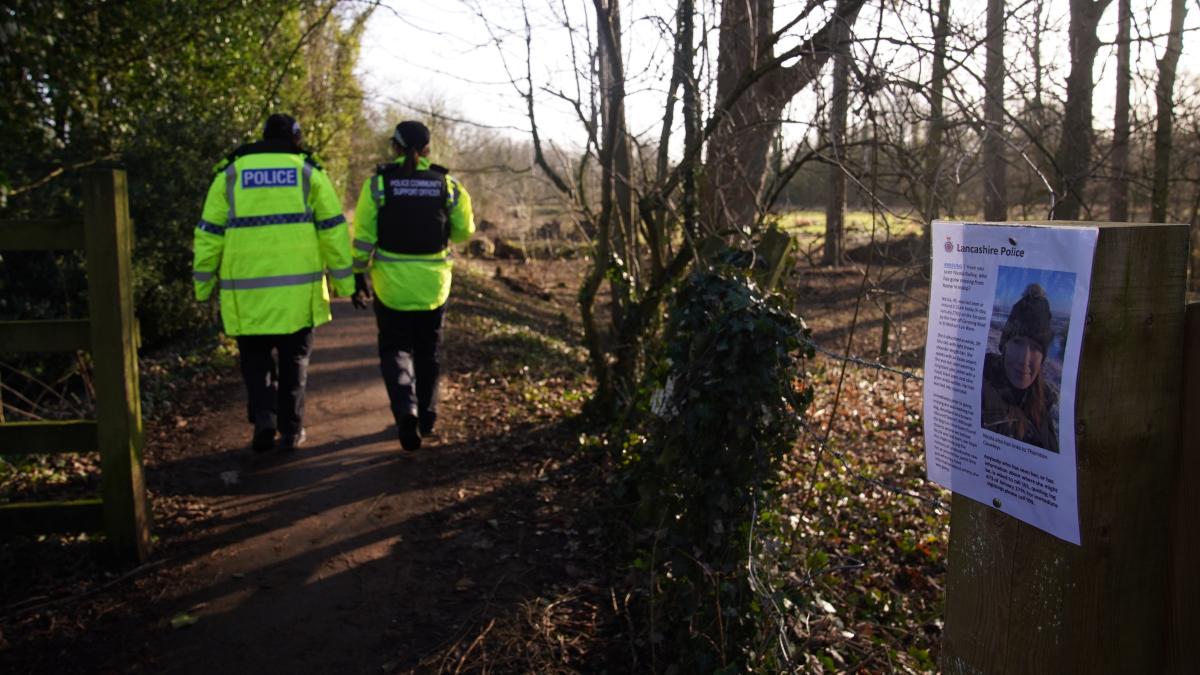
pixel 858 224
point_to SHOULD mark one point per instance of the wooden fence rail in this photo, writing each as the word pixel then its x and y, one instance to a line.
pixel 105 233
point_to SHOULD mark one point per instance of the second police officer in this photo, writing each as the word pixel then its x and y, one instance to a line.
pixel 407 215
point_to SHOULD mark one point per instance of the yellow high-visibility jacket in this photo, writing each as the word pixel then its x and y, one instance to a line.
pixel 408 282
pixel 271 228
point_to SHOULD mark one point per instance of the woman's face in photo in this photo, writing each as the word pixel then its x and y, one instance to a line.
pixel 1022 361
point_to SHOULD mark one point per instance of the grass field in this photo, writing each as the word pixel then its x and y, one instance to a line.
pixel 811 223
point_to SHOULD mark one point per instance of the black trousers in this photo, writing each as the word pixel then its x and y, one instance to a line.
pixel 408 359
pixel 275 369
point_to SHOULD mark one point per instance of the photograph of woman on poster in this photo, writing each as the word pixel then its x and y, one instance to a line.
pixel 1021 378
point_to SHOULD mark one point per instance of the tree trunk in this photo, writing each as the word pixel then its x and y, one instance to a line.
pixel 616 202
pixel 616 258
pixel 835 208
pixel 1039 71
pixel 937 122
pixel 1118 205
pixel 736 166
pixel 691 113
pixel 1074 156
pixel 1163 94
pixel 751 94
pixel 995 178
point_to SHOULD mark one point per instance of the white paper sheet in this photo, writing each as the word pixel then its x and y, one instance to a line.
pixel 999 421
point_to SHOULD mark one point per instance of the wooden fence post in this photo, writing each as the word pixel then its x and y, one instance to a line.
pixel 1185 512
pixel 109 236
pixel 774 249
pixel 1019 600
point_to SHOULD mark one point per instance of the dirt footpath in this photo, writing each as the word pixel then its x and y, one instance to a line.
pixel 351 555
pixel 318 558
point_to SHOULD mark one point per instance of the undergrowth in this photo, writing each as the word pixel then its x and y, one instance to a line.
pixel 163 378
pixel 783 522
pixel 724 411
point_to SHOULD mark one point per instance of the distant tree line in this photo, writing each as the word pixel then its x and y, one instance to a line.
pixel 967 114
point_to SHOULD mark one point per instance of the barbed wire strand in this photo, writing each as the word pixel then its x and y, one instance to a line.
pixel 858 361
pixel 824 446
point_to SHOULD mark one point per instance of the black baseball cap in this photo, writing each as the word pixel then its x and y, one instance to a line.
pixel 280 127
pixel 411 134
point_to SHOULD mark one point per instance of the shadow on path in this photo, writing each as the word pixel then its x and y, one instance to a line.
pixel 348 555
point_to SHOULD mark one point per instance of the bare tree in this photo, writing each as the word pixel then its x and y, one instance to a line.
pixel 1118 198
pixel 616 196
pixel 995 178
pixel 753 87
pixel 1074 156
pixel 835 209
pixel 1163 94
pixel 937 121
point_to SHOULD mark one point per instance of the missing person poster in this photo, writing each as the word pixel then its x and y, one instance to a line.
pixel 1006 310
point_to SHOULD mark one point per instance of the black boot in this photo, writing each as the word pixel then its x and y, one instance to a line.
pixel 288 442
pixel 410 434
pixel 264 439
pixel 426 421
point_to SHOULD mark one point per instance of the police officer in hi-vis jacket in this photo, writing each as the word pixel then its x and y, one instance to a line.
pixel 271 230
pixel 407 215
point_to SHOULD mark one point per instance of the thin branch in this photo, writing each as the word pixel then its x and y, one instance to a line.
pixel 55 173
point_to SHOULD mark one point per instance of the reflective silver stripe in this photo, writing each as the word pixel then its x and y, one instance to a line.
pixel 331 222
pixel 360 265
pixel 230 187
pixel 387 258
pixel 202 276
pixel 270 282
pixel 377 191
pixel 307 188
pixel 363 246
pixel 341 273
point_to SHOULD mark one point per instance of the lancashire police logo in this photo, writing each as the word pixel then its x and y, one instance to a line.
pixel 259 178
pixel 948 246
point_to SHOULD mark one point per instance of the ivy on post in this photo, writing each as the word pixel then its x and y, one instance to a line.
pixel 724 409
pixel 109 235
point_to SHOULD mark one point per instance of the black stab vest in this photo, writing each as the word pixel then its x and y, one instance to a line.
pixel 413 217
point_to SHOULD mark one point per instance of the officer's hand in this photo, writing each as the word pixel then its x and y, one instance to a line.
pixel 362 291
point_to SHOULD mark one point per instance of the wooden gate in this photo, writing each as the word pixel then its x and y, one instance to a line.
pixel 105 234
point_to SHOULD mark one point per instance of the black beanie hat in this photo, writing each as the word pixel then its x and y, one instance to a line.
pixel 411 134
pixel 280 127
pixel 1030 318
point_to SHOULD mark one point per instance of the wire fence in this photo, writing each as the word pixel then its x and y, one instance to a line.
pixel 864 363
pixel 760 583
pixel 825 446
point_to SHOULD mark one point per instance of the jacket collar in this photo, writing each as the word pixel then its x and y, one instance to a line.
pixel 422 162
